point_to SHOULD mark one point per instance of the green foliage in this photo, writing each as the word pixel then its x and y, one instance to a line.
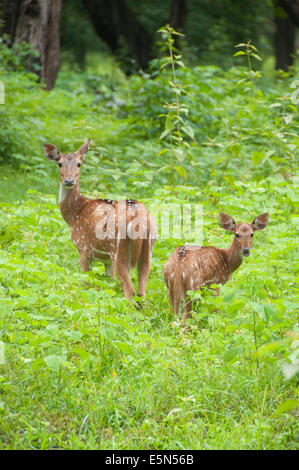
pixel 77 36
pixel 210 33
pixel 16 57
pixel 239 130
pixel 176 126
pixel 85 369
pixel 111 371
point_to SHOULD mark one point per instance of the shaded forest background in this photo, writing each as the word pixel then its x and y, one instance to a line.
pixel 69 30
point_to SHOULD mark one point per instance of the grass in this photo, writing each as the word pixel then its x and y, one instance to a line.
pixel 83 368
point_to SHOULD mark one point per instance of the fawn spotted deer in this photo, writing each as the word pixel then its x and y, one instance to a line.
pixel 119 233
pixel 190 267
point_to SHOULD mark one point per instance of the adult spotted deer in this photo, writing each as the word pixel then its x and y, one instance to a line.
pixel 190 267
pixel 119 233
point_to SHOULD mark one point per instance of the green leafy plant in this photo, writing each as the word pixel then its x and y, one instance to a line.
pixel 176 126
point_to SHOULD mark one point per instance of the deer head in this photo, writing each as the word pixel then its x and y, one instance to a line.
pixel 243 232
pixel 69 163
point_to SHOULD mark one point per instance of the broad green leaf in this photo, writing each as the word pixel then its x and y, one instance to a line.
pixel 229 297
pixel 164 133
pixel 124 347
pixel 258 308
pixel 76 315
pixel 275 105
pixel 3 258
pixel 181 170
pixel 54 361
pixel 179 154
pixel 286 405
pixel 269 347
pixel 189 131
pixel 257 158
pixel 231 354
pixel 271 311
pixel 168 124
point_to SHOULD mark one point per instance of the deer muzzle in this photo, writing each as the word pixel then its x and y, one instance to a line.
pixel 69 182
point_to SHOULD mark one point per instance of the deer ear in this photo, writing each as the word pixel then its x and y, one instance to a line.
pixel 227 222
pixel 84 148
pixel 260 222
pixel 51 152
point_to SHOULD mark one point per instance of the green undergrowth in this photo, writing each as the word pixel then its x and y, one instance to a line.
pixel 84 368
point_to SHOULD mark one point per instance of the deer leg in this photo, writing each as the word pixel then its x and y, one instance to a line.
pixel 84 261
pixel 123 274
pixel 217 290
pixel 187 309
pixel 171 297
pixel 122 268
pixel 109 268
pixel 144 266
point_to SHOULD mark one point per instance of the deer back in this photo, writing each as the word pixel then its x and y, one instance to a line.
pixel 195 266
pixel 100 224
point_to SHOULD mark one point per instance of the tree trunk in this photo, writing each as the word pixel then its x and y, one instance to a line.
pixel 114 21
pixel 37 23
pixel 284 40
pixel 292 8
pixel 11 11
pixel 178 11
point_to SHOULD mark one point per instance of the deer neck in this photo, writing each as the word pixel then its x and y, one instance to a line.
pixel 70 202
pixel 234 257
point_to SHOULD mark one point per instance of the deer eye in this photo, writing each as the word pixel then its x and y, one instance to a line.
pixel 79 164
pixel 60 164
pixel 251 235
pixel 237 235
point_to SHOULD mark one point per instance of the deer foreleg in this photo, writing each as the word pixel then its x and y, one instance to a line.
pixel 84 261
pixel 110 268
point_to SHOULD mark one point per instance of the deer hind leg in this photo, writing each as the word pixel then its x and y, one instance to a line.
pixel 144 266
pixel 187 309
pixel 217 290
pixel 176 295
pixel 170 296
pixel 122 268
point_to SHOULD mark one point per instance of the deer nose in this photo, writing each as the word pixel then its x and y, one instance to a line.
pixel 246 251
pixel 69 181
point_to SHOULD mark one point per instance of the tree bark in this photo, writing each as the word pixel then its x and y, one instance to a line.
pixel 284 39
pixel 11 11
pixel 292 8
pixel 178 11
pixel 113 21
pixel 37 23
